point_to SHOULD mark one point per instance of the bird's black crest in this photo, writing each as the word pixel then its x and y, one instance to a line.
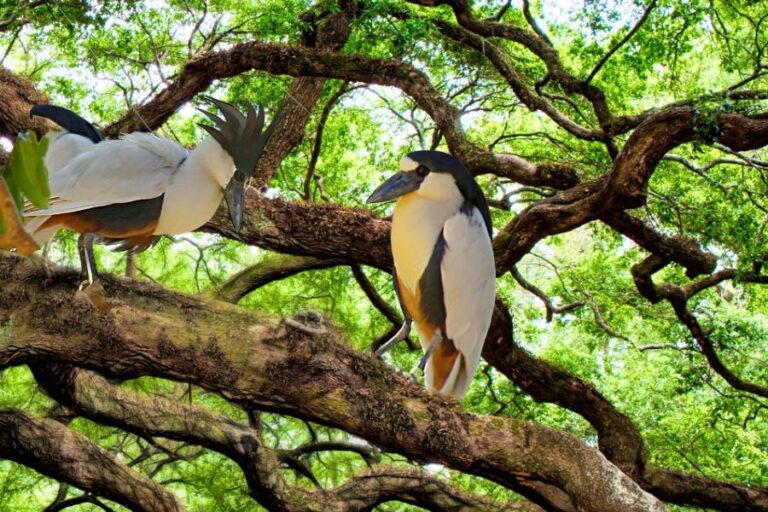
pixel 244 138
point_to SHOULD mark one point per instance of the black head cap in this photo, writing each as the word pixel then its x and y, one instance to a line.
pixel 437 161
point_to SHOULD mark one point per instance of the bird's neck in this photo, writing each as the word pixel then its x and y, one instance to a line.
pixel 210 156
pixel 196 189
pixel 416 224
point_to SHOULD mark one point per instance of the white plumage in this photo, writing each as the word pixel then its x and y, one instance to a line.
pixel 469 289
pixel 143 166
pixel 62 148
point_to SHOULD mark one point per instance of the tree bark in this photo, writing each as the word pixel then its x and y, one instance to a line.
pixel 261 363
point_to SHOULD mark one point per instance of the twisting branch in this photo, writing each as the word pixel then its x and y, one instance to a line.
pixel 503 64
pixel 58 452
pixel 365 284
pixel 317 145
pixel 264 365
pixel 678 298
pixel 200 72
pixel 550 308
pixel 154 416
pixel 272 268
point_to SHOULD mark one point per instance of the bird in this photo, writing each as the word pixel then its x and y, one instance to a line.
pixel 444 272
pixel 133 189
pixel 77 136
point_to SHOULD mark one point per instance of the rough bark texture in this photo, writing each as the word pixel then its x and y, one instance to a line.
pixel 58 452
pixel 260 363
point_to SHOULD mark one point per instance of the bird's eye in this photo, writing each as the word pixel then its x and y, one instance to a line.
pixel 422 171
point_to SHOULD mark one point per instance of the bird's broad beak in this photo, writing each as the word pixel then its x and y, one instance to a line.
pixel 234 194
pixel 396 186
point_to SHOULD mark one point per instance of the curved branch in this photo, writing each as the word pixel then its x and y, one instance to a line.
pixel 415 487
pixel 503 64
pixel 272 268
pixel 260 364
pixel 618 437
pixel 625 186
pixel 622 42
pixel 198 74
pixel 54 450
pixel 384 308
pixel 550 308
pixel 678 298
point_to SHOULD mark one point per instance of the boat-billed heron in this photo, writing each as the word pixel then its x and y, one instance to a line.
pixel 444 273
pixel 76 136
pixel 131 190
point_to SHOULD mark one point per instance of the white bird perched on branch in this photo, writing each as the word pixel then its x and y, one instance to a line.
pixel 444 273
pixel 131 190
pixel 76 137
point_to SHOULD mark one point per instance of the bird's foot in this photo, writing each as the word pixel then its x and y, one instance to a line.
pixel 433 343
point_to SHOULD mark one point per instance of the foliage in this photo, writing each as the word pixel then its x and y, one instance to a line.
pixel 25 173
pixel 109 56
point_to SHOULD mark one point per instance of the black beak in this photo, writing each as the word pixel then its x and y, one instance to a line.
pixel 396 186
pixel 234 194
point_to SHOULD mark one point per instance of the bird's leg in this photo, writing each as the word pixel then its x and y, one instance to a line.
pixel 400 335
pixel 87 261
pixel 433 343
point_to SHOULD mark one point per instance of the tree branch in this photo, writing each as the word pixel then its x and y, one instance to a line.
pixel 198 73
pixel 58 452
pixel 272 268
pixel 622 42
pixel 263 365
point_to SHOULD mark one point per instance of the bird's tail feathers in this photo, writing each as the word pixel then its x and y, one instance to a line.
pixel 68 120
pixel 458 380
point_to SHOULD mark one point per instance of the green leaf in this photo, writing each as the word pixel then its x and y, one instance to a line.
pixel 27 169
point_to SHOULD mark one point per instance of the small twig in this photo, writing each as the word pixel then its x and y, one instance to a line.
pixel 622 42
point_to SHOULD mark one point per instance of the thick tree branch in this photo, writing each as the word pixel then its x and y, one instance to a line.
pixel 322 231
pixel 17 96
pixel 618 437
pixel 54 450
pixel 92 396
pixel 625 186
pixel 695 490
pixel 415 487
pixel 261 364
pixel 199 73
